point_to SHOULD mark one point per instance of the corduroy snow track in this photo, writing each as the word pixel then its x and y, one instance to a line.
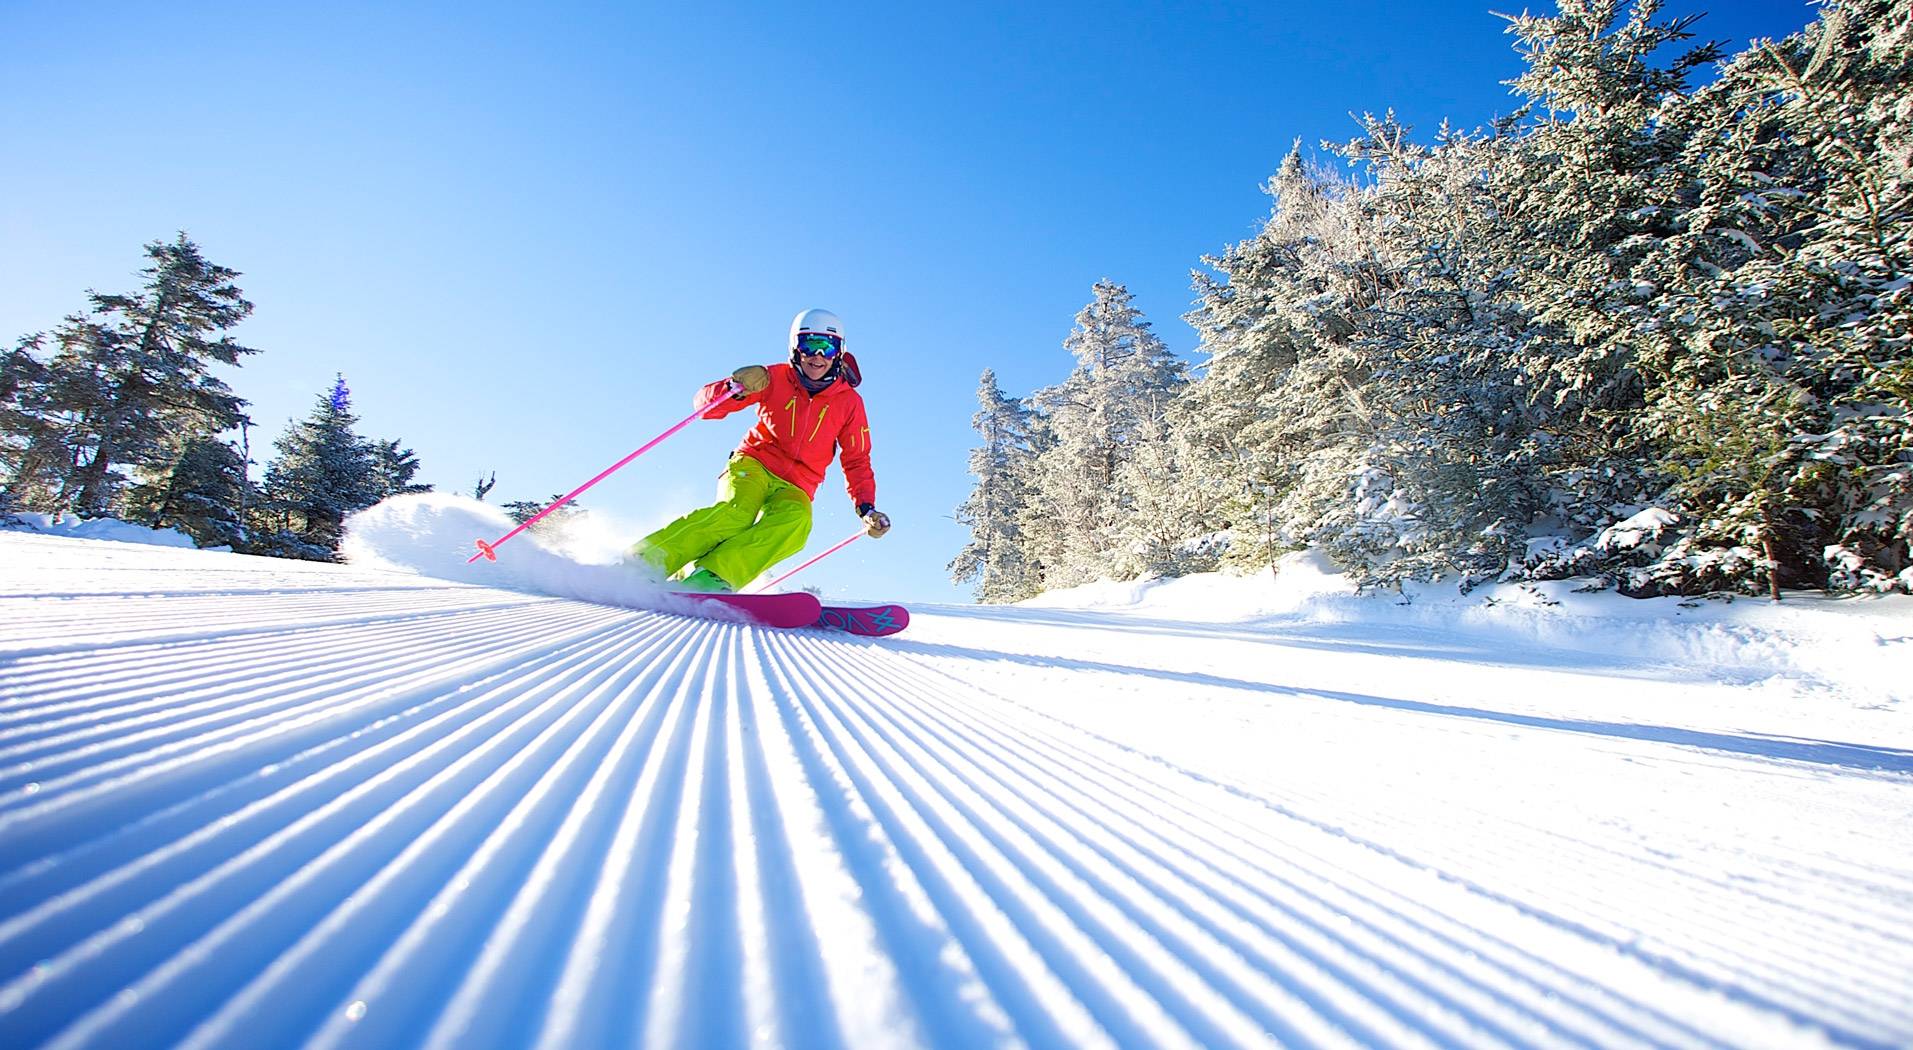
pixel 249 803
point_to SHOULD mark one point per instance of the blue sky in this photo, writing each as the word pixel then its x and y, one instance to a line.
pixel 526 233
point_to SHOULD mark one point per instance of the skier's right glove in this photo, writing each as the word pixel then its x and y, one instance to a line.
pixel 876 522
pixel 752 378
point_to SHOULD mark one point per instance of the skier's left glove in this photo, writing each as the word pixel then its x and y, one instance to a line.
pixel 750 379
pixel 876 522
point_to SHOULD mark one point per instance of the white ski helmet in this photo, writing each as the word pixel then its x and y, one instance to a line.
pixel 814 320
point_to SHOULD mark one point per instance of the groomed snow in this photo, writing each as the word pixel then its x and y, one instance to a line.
pixel 254 803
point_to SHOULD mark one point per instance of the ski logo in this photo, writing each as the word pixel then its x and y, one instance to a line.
pixel 873 621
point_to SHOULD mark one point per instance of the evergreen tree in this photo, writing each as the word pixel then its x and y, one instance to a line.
pixel 1123 383
pixel 1278 430
pixel 522 511
pixel 1783 400
pixel 324 472
pixel 994 558
pixel 396 467
pixel 1171 528
pixel 1453 431
pixel 1591 188
pixel 34 454
pixel 1755 303
pixel 130 382
pixel 204 494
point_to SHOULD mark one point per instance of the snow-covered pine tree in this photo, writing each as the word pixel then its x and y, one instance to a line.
pixel 131 379
pixel 204 494
pixel 396 468
pixel 1856 92
pixel 1124 380
pixel 1587 190
pixel 1454 435
pixel 994 558
pixel 1782 403
pixel 1756 260
pixel 1171 528
pixel 1282 437
pixel 1236 417
pixel 324 472
pixel 1042 535
pixel 33 449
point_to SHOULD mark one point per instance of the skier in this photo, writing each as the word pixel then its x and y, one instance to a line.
pixel 807 411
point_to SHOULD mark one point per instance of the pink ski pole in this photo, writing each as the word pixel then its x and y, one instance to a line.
pixel 489 551
pixel 852 538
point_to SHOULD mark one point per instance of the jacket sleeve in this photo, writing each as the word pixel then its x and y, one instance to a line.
pixel 725 405
pixel 853 441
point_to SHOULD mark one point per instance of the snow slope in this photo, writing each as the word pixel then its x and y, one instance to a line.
pixel 252 803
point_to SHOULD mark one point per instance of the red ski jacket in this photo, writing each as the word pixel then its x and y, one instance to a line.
pixel 798 433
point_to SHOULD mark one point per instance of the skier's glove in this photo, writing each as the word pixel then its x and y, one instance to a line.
pixel 876 522
pixel 752 378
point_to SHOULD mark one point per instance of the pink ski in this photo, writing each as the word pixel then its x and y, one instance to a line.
pixel 788 609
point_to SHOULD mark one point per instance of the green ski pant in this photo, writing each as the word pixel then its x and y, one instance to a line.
pixel 759 519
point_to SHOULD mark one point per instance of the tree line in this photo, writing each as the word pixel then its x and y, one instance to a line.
pixel 1643 333
pixel 117 412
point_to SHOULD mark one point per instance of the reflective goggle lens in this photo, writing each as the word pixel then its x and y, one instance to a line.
pixel 819 345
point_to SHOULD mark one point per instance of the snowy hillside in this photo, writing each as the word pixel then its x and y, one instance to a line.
pixel 252 803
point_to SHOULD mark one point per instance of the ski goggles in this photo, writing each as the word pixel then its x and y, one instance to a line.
pixel 819 344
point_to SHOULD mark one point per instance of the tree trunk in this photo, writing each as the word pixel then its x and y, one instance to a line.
pixel 245 474
pixel 93 479
pixel 1273 571
pixel 1773 564
pixel 91 500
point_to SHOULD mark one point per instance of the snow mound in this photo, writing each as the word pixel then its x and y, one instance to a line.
pixel 1861 642
pixel 1305 585
pixel 432 534
pixel 103 529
